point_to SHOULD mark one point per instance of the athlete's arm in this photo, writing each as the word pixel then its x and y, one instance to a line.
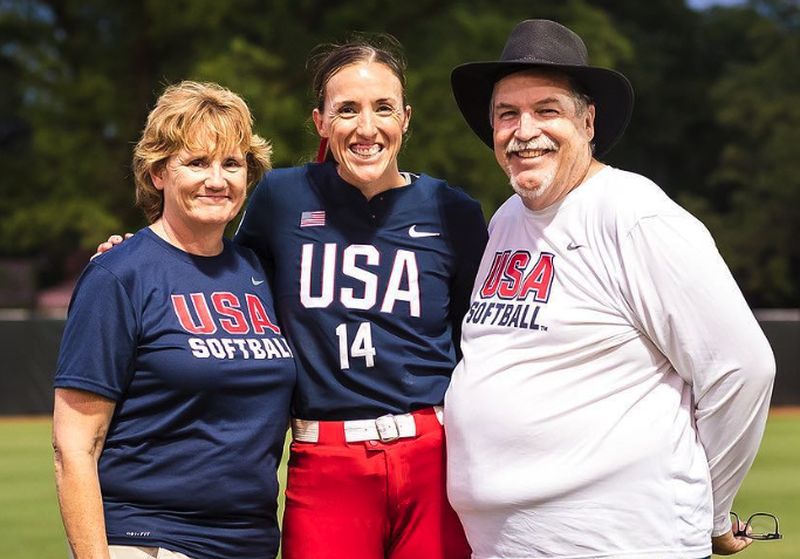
pixel 690 306
pixel 112 241
pixel 80 424
pixel 471 237
pixel 253 230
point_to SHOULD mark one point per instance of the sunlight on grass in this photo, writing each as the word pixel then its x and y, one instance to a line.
pixel 30 527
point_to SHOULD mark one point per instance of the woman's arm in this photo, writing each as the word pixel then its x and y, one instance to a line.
pixel 80 424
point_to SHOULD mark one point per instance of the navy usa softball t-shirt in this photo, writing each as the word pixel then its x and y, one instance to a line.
pixel 188 348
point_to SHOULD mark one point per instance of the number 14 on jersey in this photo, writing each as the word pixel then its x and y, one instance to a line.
pixel 361 345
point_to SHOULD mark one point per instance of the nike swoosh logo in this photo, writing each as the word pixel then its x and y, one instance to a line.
pixel 414 234
pixel 573 246
pixel 255 281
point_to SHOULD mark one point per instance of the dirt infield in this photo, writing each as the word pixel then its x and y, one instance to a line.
pixel 25 418
pixel 783 411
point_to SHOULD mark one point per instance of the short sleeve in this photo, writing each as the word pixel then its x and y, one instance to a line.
pixel 100 337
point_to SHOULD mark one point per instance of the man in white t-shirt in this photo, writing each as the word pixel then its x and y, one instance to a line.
pixel 615 384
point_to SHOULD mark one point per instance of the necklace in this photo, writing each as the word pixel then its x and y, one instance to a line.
pixel 167 236
pixel 197 248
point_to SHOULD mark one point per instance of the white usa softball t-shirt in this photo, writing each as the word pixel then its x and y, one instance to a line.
pixel 614 385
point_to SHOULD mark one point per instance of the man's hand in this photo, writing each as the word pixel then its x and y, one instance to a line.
pixel 110 243
pixel 728 544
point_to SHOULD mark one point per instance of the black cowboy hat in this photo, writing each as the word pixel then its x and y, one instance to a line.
pixel 543 43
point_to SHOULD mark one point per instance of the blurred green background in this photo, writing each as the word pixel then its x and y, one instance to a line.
pixel 30 527
pixel 716 123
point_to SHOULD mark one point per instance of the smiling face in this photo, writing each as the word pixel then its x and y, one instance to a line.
pixel 203 190
pixel 363 118
pixel 542 136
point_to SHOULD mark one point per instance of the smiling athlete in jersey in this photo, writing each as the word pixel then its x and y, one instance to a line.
pixel 372 273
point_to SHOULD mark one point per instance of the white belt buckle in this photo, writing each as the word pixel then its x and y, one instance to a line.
pixel 387 428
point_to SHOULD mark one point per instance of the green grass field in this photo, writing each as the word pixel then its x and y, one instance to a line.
pixel 30 527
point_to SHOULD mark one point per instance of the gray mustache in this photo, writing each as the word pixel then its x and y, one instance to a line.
pixel 539 143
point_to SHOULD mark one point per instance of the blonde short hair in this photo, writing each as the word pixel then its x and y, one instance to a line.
pixel 197 117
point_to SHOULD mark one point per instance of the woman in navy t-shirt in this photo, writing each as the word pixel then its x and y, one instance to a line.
pixel 173 380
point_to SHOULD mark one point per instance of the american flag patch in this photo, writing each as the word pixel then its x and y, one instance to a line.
pixel 312 219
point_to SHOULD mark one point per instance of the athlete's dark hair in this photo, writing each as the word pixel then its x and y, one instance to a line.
pixel 327 59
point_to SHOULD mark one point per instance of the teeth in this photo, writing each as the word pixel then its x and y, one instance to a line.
pixel 531 152
pixel 365 151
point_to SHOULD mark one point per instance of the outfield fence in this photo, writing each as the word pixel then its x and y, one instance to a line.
pixel 30 348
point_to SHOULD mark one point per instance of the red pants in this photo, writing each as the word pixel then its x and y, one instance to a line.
pixel 371 499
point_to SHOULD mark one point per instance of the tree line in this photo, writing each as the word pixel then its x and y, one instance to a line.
pixel 716 122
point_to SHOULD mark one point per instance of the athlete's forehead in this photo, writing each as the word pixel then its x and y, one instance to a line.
pixel 364 81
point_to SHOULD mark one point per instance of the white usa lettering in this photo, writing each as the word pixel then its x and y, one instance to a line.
pixel 370 280
pixel 241 348
pixel 402 285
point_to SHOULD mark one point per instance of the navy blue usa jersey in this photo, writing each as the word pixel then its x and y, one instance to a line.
pixel 188 348
pixel 370 293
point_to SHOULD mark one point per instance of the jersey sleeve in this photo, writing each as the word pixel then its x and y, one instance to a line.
pixel 100 336
pixel 469 242
pixel 252 231
pixel 686 301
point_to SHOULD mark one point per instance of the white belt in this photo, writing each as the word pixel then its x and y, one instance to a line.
pixel 385 428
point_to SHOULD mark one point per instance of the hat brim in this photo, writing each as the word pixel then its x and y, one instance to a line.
pixel 611 92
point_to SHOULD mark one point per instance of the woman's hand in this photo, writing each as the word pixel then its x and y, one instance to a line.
pixel 112 241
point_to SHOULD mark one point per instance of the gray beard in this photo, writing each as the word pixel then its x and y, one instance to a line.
pixel 531 193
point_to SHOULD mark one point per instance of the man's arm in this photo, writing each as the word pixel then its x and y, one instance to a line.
pixel 691 307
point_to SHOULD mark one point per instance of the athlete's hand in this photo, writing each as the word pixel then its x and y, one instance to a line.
pixel 110 243
pixel 728 544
